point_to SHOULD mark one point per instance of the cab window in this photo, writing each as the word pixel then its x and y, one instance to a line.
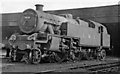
pixel 91 25
pixel 63 29
pixel 100 29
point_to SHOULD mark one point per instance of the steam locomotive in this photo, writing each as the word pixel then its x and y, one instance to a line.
pixel 57 38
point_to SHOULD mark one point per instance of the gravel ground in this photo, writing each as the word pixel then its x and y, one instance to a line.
pixel 44 67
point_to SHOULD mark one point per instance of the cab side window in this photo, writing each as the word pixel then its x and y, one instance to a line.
pixel 100 29
pixel 91 25
pixel 63 29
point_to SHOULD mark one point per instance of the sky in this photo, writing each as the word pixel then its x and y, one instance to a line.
pixel 13 6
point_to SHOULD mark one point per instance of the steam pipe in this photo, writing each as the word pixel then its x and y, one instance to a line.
pixel 50 29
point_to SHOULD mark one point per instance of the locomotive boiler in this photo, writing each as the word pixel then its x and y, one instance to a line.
pixel 57 38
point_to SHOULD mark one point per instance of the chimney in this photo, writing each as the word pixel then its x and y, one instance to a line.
pixel 39 7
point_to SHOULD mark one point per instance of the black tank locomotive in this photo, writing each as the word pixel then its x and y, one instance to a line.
pixel 57 38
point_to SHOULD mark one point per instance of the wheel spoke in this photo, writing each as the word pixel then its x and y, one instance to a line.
pixel 101 55
pixel 59 57
pixel 36 56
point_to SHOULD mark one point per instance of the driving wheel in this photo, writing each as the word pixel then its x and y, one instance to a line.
pixel 36 56
pixel 60 57
pixel 101 55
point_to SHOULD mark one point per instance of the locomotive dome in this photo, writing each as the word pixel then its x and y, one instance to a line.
pixel 28 21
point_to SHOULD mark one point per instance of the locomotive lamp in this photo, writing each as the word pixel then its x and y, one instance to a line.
pixel 28 46
pixel 32 37
pixel 13 37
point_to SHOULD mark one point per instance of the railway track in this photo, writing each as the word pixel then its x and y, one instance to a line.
pixel 99 67
pixel 104 67
pixel 84 66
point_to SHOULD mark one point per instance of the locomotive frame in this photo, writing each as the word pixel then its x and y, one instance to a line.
pixel 53 38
